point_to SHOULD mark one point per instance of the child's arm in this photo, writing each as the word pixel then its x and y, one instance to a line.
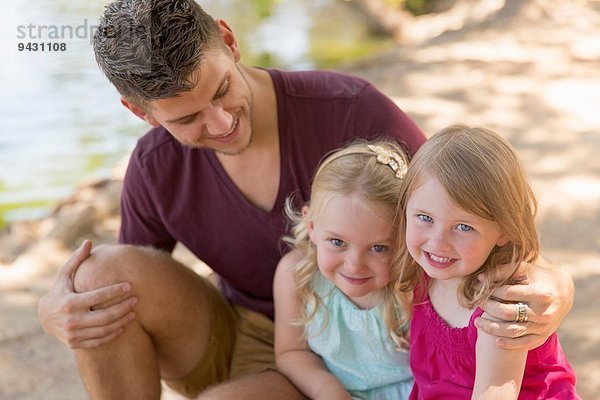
pixel 293 357
pixel 499 372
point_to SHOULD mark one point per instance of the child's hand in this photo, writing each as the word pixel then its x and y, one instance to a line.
pixel 548 295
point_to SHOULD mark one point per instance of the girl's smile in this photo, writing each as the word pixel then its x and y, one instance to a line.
pixel 439 262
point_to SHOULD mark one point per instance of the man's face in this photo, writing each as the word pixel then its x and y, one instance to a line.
pixel 216 113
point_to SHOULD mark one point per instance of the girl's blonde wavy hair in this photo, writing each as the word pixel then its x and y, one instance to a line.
pixel 483 175
pixel 350 171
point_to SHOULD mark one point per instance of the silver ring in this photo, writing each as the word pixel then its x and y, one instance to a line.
pixel 522 313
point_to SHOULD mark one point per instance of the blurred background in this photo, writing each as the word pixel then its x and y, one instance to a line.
pixel 529 69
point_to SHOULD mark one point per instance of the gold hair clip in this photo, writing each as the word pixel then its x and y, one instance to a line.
pixel 391 158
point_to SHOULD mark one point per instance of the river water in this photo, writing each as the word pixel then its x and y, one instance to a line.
pixel 62 123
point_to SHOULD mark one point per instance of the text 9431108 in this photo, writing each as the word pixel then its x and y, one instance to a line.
pixel 42 46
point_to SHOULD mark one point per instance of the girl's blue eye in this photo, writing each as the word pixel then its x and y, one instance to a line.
pixel 378 248
pixel 425 218
pixel 337 242
pixel 464 227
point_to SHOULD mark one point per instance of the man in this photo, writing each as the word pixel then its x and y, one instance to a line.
pixel 229 144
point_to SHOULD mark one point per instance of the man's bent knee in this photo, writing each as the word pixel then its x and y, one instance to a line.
pixel 110 264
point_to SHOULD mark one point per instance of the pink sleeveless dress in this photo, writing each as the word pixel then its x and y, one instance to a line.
pixel 442 360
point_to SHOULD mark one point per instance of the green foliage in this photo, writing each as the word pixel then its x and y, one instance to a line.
pixel 327 53
pixel 264 59
pixel 264 8
pixel 7 208
pixel 395 3
pixel 415 7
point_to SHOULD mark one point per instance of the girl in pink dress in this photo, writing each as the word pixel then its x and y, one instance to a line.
pixel 467 216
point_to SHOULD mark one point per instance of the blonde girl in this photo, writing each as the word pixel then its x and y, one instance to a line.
pixel 467 217
pixel 339 330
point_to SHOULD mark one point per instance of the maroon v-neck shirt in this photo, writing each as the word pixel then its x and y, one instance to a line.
pixel 175 194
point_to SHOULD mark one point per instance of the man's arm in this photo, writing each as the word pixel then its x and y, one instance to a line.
pixel 548 294
pixel 75 318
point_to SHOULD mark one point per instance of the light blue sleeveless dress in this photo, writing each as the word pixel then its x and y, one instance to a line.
pixel 356 347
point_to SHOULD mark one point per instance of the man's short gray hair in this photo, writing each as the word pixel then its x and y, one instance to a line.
pixel 151 49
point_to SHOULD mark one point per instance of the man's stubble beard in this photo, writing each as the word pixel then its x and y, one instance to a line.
pixel 250 110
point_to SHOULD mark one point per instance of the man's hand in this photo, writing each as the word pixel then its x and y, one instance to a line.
pixel 80 320
pixel 548 294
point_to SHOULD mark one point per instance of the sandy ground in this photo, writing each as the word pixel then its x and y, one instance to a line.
pixel 532 74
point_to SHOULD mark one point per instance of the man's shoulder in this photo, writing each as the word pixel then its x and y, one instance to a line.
pixel 322 84
pixel 151 141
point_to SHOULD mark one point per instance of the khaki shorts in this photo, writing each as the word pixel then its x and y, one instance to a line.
pixel 241 342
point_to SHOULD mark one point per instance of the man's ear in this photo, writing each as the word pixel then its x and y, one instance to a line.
pixel 229 39
pixel 140 112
